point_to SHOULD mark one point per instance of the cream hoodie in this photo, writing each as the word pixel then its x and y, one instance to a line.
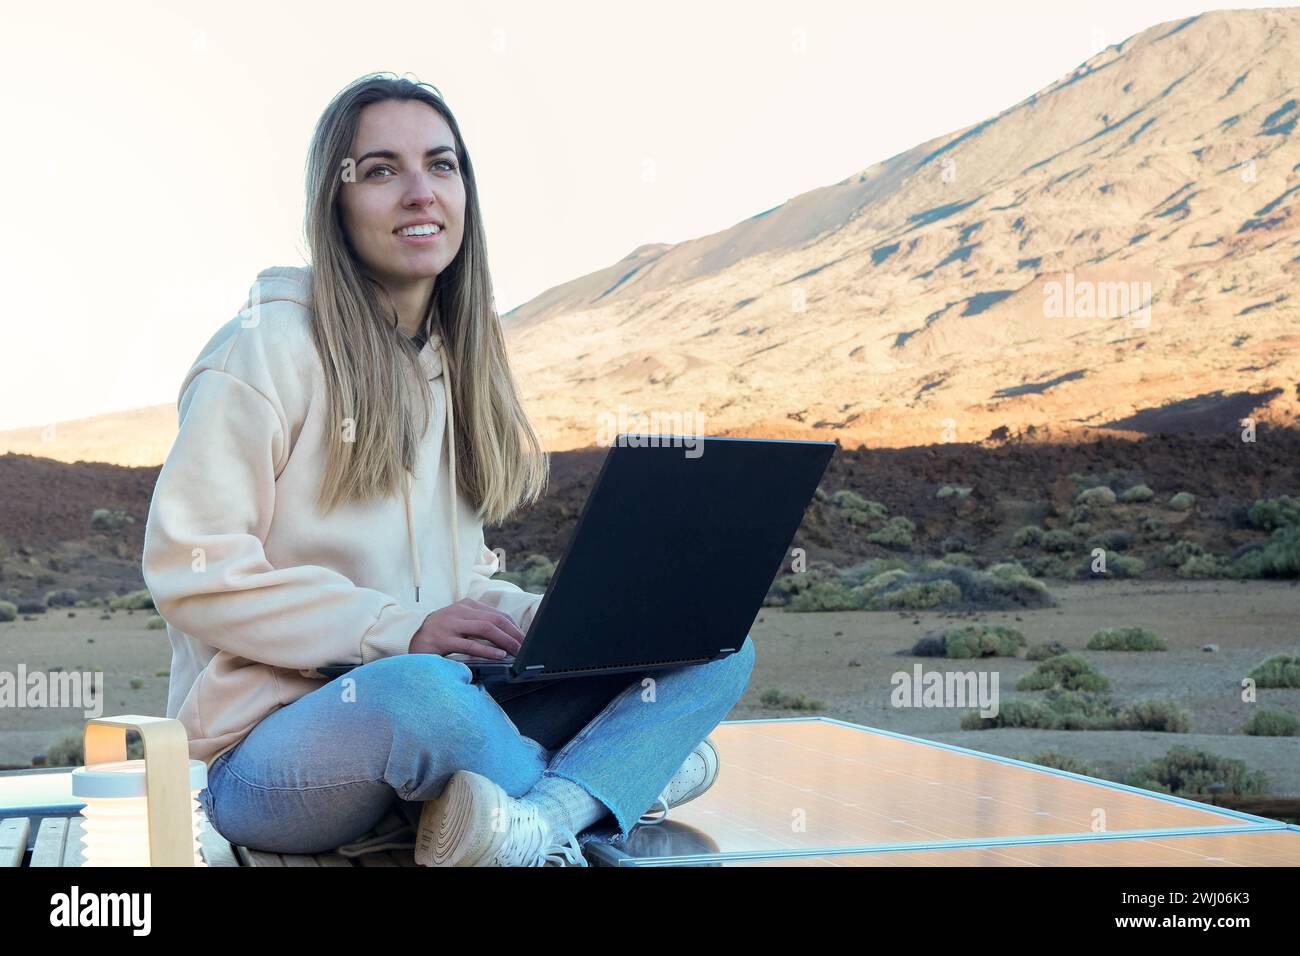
pixel 257 587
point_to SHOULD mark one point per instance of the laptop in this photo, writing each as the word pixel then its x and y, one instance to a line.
pixel 675 548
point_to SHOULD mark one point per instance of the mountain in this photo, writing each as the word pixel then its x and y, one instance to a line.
pixel 137 436
pixel 1117 251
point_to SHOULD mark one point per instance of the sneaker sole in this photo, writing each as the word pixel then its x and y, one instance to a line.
pixel 456 828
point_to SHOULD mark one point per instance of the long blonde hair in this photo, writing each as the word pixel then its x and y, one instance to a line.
pixel 369 364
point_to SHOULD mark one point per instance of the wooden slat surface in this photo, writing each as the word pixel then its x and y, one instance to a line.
pixel 51 838
pixel 390 824
pixel 13 840
pixel 58 842
pixel 72 855
pixel 258 857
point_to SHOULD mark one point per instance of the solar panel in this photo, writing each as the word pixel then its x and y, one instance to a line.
pixel 818 791
pixel 1268 848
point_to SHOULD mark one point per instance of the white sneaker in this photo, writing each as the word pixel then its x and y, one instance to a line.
pixel 696 775
pixel 476 823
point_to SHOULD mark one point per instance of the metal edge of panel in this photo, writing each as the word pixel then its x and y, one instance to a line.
pixel 607 855
pixel 974 843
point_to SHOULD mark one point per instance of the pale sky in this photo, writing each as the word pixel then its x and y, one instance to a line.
pixel 157 149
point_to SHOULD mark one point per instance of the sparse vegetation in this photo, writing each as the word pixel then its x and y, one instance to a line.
pixel 916 596
pixel 134 601
pixel 1187 771
pixel 1060 761
pixel 984 640
pixel 856 509
pixel 783 701
pixel 106 519
pixel 1181 551
pixel 1059 540
pixel 786 586
pixel 1204 566
pixel 1138 493
pixel 61 598
pixel 882 581
pixel 1030 536
pixel 1163 715
pixel 870 570
pixel 1069 671
pixel 1281 670
pixel 1062 709
pixel 1043 651
pixel 1112 539
pixel 1269 514
pixel 896 533
pixel 1126 639
pixel 1049 566
pixel 826 596
pixel 1079 519
pixel 1182 501
pixel 957 588
pixel 1098 497
pixel 1126 566
pixel 1279 557
pixel 1271 722
pixel 8 611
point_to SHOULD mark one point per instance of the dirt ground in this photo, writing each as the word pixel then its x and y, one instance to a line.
pixel 846 660
pixel 46 541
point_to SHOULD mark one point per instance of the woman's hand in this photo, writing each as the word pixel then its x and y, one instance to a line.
pixel 468 627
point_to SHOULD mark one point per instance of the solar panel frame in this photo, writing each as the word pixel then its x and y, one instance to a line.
pixel 713 814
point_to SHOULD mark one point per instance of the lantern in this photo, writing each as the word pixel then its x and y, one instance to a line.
pixel 140 812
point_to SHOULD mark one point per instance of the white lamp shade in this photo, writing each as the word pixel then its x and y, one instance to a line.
pixel 116 812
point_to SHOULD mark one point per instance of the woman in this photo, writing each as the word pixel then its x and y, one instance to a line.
pixel 307 515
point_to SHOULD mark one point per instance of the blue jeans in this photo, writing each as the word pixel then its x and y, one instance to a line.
pixel 325 769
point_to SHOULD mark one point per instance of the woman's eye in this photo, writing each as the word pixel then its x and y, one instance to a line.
pixel 450 167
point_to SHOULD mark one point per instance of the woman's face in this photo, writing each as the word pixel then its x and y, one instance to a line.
pixel 406 171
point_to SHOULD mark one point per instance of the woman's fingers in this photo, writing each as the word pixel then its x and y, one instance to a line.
pixel 499 618
pixel 487 629
pixel 463 645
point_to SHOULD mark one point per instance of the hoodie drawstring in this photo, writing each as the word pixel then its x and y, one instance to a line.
pixel 451 464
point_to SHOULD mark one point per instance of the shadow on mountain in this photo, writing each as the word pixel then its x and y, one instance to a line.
pixel 1037 388
pixel 1205 414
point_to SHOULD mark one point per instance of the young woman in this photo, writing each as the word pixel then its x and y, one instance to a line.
pixel 342 442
